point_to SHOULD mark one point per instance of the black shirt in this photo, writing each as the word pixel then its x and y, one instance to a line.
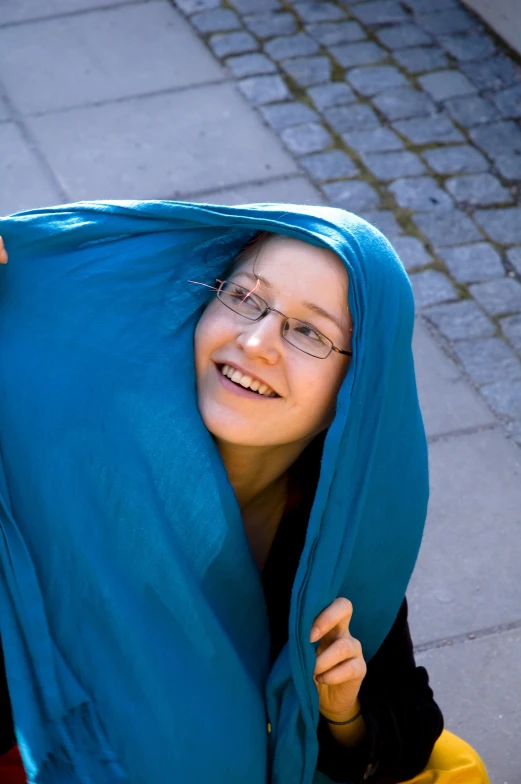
pixel 402 719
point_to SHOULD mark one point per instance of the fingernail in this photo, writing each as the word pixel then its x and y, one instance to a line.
pixel 315 634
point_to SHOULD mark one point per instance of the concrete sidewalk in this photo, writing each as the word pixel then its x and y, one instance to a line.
pixel 134 99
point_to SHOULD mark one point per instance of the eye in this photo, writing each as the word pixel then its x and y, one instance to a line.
pixel 309 332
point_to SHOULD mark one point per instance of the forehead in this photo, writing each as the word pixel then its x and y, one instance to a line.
pixel 286 261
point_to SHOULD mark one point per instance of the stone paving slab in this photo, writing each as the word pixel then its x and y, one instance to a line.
pixel 113 53
pixel 183 142
pixel 467 575
pixel 448 403
pixel 477 686
pixel 293 190
pixel 24 183
pixel 13 11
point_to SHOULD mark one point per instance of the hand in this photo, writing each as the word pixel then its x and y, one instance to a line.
pixel 340 666
pixel 3 252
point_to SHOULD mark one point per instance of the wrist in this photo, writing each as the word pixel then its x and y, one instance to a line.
pixel 346 715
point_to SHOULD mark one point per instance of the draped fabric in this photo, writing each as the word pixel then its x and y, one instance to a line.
pixel 131 612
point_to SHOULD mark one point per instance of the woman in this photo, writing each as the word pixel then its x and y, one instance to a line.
pixel 157 505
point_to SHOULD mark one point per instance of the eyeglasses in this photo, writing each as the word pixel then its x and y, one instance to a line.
pixel 295 332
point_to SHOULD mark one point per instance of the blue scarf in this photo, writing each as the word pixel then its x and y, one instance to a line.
pixel 131 612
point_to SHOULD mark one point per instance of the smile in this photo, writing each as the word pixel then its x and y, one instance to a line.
pixel 243 384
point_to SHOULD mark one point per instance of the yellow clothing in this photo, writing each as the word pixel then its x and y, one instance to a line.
pixel 452 762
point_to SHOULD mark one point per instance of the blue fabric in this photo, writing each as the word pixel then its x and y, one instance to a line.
pixel 131 612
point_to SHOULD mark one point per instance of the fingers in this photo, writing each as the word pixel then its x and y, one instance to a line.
pixel 338 614
pixel 350 670
pixel 344 648
pixel 3 252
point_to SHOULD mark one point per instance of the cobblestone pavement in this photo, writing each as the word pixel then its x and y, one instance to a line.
pixel 407 113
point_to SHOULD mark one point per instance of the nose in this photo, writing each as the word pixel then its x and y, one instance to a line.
pixel 262 339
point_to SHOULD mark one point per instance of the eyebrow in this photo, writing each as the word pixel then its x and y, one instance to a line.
pixel 309 305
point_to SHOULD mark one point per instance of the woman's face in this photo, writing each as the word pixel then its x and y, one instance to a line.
pixel 295 276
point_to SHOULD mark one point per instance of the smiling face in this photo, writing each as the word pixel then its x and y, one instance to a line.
pixel 299 390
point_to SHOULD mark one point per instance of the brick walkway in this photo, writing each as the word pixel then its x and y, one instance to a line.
pixel 408 114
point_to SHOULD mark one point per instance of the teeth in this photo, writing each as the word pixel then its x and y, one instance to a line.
pixel 247 381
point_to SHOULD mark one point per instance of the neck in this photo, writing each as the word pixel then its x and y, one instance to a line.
pixel 257 471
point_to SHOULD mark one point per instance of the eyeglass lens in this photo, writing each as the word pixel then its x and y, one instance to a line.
pixel 296 332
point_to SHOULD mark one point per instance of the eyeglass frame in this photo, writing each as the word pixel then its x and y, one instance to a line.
pixel 269 309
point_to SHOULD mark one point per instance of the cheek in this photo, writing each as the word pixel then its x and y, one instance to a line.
pixel 209 334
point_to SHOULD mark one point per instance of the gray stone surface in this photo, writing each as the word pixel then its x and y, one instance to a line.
pixel 429 130
pixel 388 165
pixel 269 25
pixel 292 190
pixel 318 12
pixel 332 165
pixel 509 166
pixel 412 252
pixel 351 118
pixel 447 22
pixel 291 46
pixel 469 47
pixel 225 44
pixel 379 12
pixel 374 79
pixel 496 138
pixel 514 257
pixel 373 140
pixel 334 33
pixel 511 327
pixel 447 227
pixel 486 360
pixel 447 401
pixel 504 397
pixel 4 111
pixel 92 57
pixel 421 58
pixel 472 263
pixel 332 94
pixel 401 36
pixel 431 287
pixel 492 74
pixel 466 577
pixel 509 101
pixel 455 160
pixel 215 21
pixel 250 65
pixel 252 6
pixel 260 90
pixel 492 731
pixel 499 297
pixel 352 195
pixel 190 7
pixel 501 225
pixel 403 103
pixel 308 71
pixel 284 115
pixel 471 110
pixel 24 181
pixel 384 221
pixel 24 10
pixel 443 85
pixel 479 190
pixel 361 53
pixel 306 138
pixel 460 320
pixel 167 139
pixel 420 194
